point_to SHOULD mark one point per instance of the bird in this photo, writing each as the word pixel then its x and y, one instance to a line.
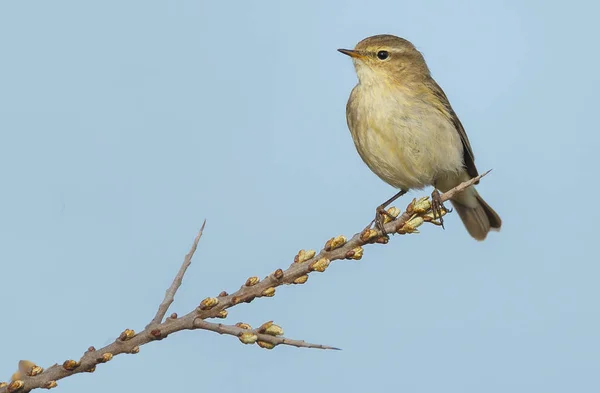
pixel 407 133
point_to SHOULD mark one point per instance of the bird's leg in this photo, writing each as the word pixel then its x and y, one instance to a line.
pixel 380 212
pixel 437 206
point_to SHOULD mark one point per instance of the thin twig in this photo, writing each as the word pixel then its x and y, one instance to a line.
pixel 236 331
pixel 462 186
pixel 170 293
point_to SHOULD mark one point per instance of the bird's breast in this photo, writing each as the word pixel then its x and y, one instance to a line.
pixel 405 139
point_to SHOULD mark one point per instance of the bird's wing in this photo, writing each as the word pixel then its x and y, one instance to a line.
pixel 468 157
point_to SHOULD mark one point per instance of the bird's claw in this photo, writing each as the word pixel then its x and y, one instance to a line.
pixel 381 213
pixel 437 207
pixel 380 219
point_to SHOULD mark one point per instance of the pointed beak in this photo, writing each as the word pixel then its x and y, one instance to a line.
pixel 351 53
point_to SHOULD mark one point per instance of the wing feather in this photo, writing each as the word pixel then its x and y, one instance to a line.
pixel 468 157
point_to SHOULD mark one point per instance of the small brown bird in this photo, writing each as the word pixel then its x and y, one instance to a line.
pixel 406 131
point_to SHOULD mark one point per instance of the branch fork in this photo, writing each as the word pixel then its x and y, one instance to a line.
pixel 268 335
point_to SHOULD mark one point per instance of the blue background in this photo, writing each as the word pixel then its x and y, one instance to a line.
pixel 123 124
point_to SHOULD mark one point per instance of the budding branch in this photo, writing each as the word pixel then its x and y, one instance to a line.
pixel 268 335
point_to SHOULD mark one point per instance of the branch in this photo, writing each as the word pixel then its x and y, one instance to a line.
pixel 463 186
pixel 267 335
pixel 170 293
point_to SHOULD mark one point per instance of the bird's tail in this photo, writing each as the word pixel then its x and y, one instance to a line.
pixel 479 218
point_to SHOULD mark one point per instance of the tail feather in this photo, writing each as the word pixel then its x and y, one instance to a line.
pixel 479 218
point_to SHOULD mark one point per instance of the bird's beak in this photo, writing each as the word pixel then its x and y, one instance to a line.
pixel 351 53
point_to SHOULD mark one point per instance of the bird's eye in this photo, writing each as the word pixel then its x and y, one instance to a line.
pixel 383 54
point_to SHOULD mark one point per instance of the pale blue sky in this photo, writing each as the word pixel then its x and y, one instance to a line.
pixel 123 124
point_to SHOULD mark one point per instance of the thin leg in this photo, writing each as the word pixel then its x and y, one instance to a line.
pixel 380 212
pixel 437 206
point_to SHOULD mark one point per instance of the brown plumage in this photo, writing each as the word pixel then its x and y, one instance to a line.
pixel 406 131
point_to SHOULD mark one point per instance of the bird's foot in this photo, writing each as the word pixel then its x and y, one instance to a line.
pixel 437 207
pixel 380 219
pixel 381 213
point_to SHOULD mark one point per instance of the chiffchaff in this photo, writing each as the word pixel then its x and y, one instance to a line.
pixel 406 131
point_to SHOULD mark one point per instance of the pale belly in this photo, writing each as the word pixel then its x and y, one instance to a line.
pixel 408 144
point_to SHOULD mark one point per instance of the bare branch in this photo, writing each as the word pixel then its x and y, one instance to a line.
pixel 170 293
pixel 237 331
pixel 462 186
